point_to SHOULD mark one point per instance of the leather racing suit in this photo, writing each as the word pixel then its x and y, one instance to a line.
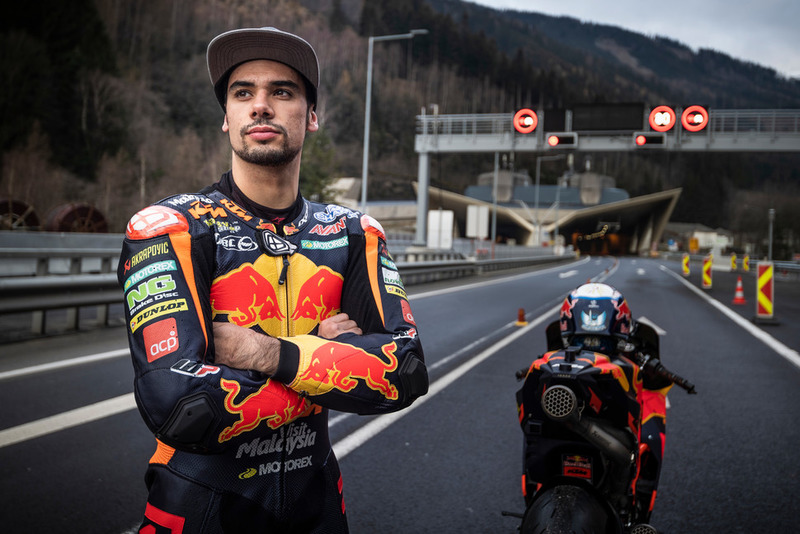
pixel 239 451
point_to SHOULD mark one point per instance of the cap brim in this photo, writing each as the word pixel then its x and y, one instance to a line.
pixel 235 47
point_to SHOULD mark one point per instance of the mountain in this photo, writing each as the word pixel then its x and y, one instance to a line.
pixel 621 64
pixel 137 120
pixel 597 63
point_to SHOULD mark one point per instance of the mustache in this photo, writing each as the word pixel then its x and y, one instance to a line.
pixel 261 122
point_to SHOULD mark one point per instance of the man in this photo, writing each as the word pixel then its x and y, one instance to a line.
pixel 253 311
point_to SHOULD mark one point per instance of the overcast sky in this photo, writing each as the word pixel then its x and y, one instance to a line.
pixel 766 32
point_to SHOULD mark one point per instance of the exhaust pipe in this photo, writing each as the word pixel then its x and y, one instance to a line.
pixel 561 405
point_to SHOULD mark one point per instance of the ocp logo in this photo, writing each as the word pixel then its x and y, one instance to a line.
pixel 248 474
pixel 161 338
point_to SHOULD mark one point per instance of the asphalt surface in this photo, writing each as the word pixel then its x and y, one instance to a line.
pixel 451 463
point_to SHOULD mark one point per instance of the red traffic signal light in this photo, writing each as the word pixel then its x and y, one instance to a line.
pixel 694 118
pixel 562 140
pixel 650 139
pixel 662 118
pixel 525 121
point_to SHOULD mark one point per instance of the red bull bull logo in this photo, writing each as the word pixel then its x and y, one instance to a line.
pixel 273 403
pixel 319 296
pixel 246 296
pixel 566 313
pixel 566 308
pixel 623 315
pixel 342 366
pixel 251 295
pixel 266 225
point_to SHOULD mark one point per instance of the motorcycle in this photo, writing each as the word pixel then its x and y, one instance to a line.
pixel 593 425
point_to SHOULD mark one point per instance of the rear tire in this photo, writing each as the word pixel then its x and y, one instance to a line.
pixel 566 509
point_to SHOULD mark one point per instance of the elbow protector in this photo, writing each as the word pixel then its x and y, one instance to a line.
pixel 414 378
pixel 191 424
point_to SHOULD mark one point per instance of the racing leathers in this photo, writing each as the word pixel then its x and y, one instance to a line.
pixel 239 451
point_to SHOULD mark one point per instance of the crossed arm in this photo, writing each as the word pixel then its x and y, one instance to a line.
pixel 242 348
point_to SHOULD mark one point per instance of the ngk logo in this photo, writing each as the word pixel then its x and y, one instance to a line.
pixel 161 338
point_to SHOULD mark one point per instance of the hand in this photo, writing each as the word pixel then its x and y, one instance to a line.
pixel 242 348
pixel 336 325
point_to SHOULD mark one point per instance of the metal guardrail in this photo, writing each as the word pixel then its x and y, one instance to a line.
pixel 38 279
pixel 39 293
pixel 39 290
pixel 762 130
pixel 430 271
pixel 786 267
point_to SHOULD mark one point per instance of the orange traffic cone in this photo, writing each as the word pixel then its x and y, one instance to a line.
pixel 739 297
pixel 521 317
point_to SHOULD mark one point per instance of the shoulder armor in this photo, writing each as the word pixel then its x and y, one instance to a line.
pixel 154 221
pixel 370 225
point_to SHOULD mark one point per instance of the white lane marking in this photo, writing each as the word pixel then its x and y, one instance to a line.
pixel 602 277
pixel 126 402
pixel 78 416
pixel 789 354
pixel 124 352
pixel 510 326
pixel 484 283
pixel 660 331
pixel 64 363
pixel 345 446
pixel 342 448
pixel 568 274
pixel 344 416
pixel 640 271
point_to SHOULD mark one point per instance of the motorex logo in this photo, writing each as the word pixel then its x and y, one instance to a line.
pixel 150 270
pixel 324 245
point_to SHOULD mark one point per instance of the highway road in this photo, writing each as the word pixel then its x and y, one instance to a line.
pixel 73 450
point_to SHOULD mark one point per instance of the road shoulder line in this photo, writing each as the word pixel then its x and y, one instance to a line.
pixel 62 421
pixel 791 355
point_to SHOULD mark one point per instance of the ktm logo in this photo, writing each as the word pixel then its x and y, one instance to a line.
pixel 198 210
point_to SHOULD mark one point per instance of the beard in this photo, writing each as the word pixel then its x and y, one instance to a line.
pixel 261 153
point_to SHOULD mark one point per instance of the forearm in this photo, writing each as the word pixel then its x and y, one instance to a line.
pixel 242 348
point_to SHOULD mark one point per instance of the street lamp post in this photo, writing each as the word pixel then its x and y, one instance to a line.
pixel 368 107
pixel 771 213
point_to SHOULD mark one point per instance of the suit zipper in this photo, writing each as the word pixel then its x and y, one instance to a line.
pixel 282 282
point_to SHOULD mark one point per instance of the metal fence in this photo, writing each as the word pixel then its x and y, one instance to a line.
pixel 728 121
pixel 770 121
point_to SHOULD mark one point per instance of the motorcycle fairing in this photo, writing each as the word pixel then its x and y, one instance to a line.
pixel 624 371
pixel 610 390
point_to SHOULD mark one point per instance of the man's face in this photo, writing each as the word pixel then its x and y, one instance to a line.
pixel 266 113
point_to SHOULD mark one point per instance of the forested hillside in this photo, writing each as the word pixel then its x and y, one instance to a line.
pixel 108 101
